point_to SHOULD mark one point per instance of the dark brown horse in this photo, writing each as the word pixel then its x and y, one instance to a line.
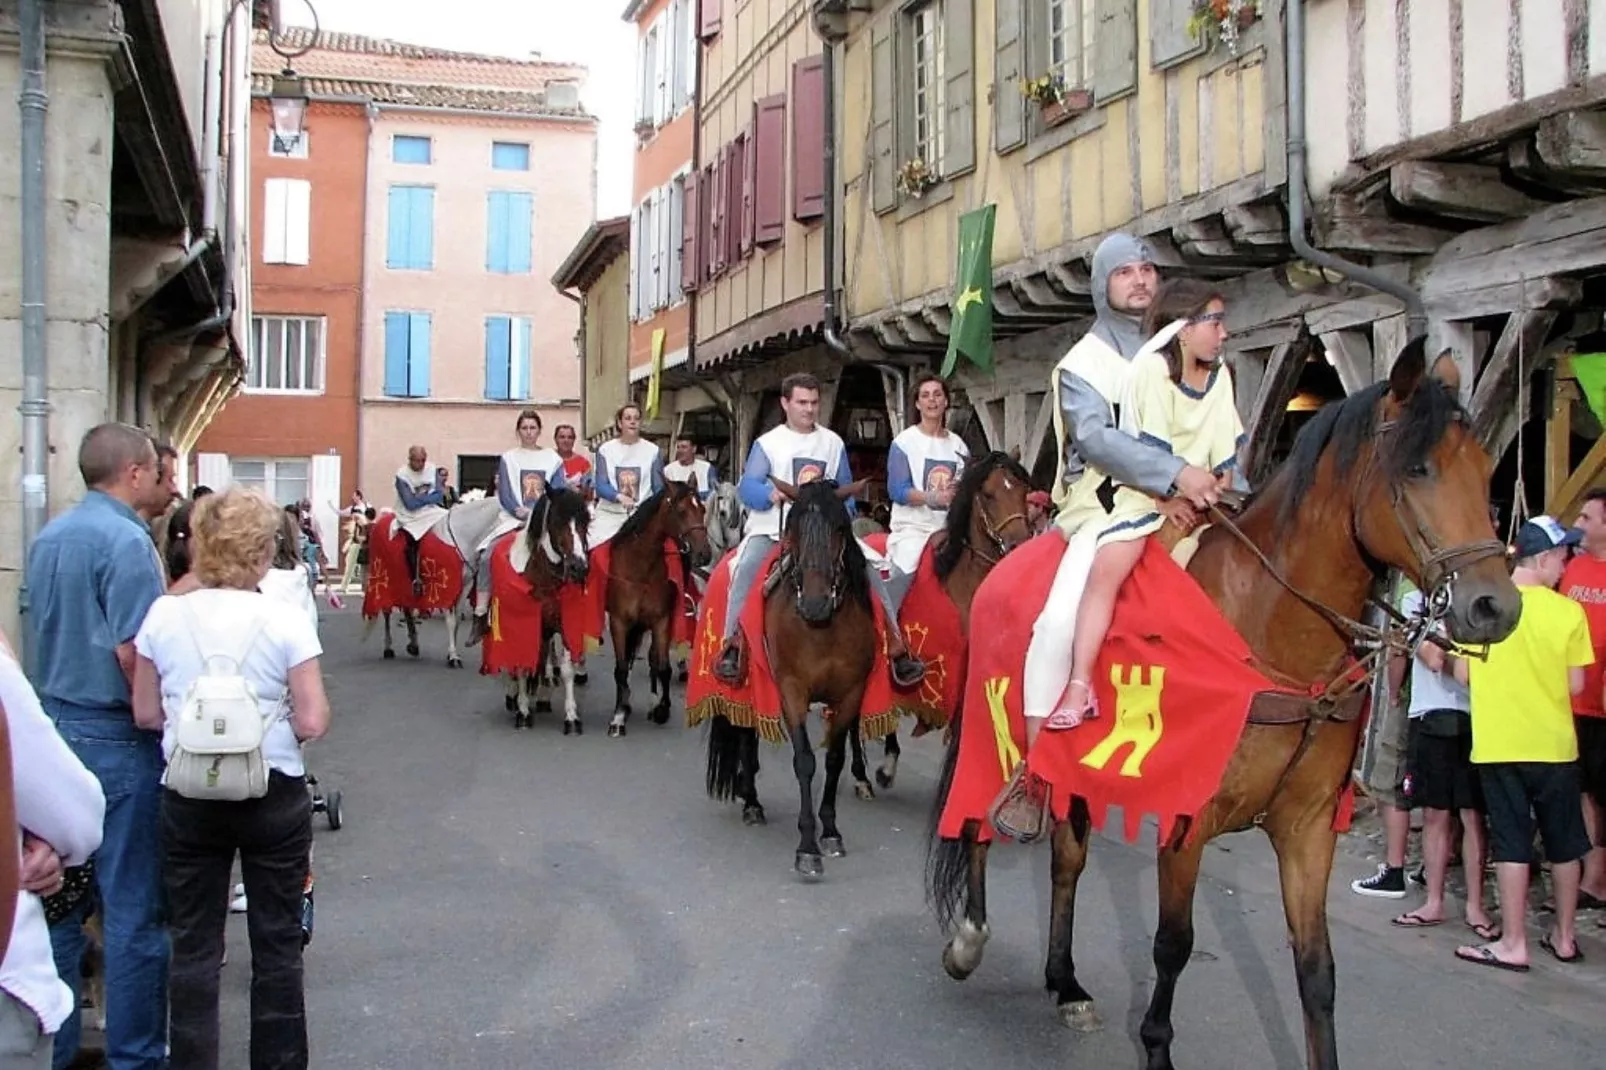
pixel 554 540
pixel 643 597
pixel 821 636
pixel 986 521
pixel 1390 477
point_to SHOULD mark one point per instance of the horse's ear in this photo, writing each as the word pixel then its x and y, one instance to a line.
pixel 1446 371
pixel 1408 369
pixel 788 491
pixel 1014 453
pixel 852 490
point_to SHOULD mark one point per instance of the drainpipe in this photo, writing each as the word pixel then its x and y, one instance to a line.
pixel 33 102
pixel 833 190
pixel 1415 312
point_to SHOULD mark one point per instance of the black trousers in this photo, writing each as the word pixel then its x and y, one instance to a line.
pixel 410 552
pixel 273 836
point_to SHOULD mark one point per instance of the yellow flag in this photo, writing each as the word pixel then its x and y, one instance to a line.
pixel 655 381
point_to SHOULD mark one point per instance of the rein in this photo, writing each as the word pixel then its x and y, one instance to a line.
pixel 993 533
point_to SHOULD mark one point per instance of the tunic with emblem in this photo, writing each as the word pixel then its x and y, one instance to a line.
pixel 418 501
pixel 927 463
pixel 635 470
pixel 523 477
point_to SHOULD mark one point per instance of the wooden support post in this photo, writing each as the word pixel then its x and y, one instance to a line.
pixel 1044 403
pixel 1559 438
pixel 1248 373
pixel 1564 504
pixel 1271 406
pixel 990 412
pixel 1350 354
pixel 1456 337
pixel 1518 353
pixel 1388 338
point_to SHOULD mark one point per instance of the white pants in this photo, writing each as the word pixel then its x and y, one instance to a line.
pixel 1048 656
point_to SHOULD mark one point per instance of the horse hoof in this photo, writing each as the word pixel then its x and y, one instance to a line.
pixel 863 790
pixel 510 703
pixel 659 715
pixel 682 676
pixel 519 720
pixel 543 705
pixel 883 781
pixel 1081 1016
pixel 963 952
pixel 390 655
pixel 616 731
pixel 454 663
pixel 832 846
pixel 753 814
pixel 951 966
pixel 809 865
pixel 581 679
pixel 568 726
pixel 412 649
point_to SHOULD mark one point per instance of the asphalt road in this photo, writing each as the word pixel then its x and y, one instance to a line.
pixel 500 900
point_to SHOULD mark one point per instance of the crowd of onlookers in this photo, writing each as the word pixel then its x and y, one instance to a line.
pixel 153 619
pixel 1509 746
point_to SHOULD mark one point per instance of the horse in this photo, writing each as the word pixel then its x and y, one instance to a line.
pixel 642 596
pixel 550 552
pixel 820 632
pixel 1391 477
pixel 986 520
pixel 463 528
pixel 724 515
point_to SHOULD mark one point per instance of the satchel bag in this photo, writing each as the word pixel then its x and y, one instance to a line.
pixel 217 753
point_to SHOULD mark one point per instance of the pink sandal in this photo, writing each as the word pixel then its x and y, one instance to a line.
pixel 1068 716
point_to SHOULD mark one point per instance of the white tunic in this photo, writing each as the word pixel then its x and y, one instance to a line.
pixel 522 477
pixel 797 459
pixel 417 522
pixel 935 463
pixel 699 473
pixel 629 470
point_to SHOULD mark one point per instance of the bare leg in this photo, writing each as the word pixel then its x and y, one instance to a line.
pixel 1436 862
pixel 1472 847
pixel 1512 946
pixel 1594 879
pixel 1565 878
pixel 1111 566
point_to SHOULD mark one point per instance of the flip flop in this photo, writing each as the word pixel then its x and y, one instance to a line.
pixel 1486 931
pixel 1549 945
pixel 1485 956
pixel 1413 920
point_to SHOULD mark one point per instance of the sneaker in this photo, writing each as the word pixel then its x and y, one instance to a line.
pixel 1387 883
pixel 237 905
pixel 1418 876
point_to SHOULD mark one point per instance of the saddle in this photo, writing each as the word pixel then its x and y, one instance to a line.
pixel 783 566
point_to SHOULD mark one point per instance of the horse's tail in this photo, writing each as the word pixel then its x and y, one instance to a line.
pixel 947 861
pixel 724 757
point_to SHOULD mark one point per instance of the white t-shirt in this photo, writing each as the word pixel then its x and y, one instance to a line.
pixel 229 619
pixel 290 586
pixel 1432 690
pixel 797 459
pixel 698 473
pixel 934 463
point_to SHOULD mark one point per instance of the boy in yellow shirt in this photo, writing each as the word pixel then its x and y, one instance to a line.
pixel 1526 749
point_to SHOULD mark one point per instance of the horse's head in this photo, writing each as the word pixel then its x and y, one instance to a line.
pixel 988 513
pixel 557 534
pixel 1419 484
pixel 827 564
pixel 724 517
pixel 684 521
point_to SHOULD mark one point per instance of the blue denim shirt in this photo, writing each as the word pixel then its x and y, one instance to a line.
pixel 92 575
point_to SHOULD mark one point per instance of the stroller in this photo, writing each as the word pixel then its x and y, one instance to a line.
pixel 330 807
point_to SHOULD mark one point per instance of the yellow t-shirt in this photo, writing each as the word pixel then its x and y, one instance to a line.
pixel 1522 706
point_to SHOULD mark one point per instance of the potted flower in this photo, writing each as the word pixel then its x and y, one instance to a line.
pixel 645 128
pixel 1221 21
pixel 915 177
pixel 1057 101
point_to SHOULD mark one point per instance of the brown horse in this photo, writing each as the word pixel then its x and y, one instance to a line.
pixel 554 540
pixel 1390 477
pixel 821 636
pixel 986 521
pixel 642 597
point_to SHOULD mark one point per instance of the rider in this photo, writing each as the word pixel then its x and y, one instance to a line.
pixel 524 474
pixel 687 467
pixel 800 451
pixel 1088 385
pixel 576 469
pixel 924 466
pixel 419 493
pixel 629 470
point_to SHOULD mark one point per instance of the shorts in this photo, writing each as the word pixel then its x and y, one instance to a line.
pixel 1519 795
pixel 1592 755
pixel 1384 775
pixel 1442 774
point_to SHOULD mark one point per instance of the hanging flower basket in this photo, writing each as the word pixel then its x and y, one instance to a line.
pixel 1056 102
pixel 915 178
pixel 1221 21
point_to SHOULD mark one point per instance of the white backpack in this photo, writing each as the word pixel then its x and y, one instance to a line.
pixel 217 754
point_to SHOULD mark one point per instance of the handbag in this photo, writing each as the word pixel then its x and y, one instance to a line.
pixel 217 754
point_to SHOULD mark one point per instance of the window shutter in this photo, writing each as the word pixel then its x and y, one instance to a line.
pixel 1009 107
pixel 1115 48
pixel 637 254
pixel 644 79
pixel 707 196
pixel 883 108
pixel 274 216
pixel 1169 40
pixel 688 47
pixel 679 31
pixel 520 224
pixel 674 234
pixel 396 338
pixel 421 227
pixel 747 204
pixel 738 216
pixel 418 355
pixel 662 69
pixel 662 234
pixel 497 350
pixel 709 18
pixel 958 58
pixel 808 138
pixel 518 360
pixel 720 223
pixel 397 228
pixel 297 220
pixel 690 232
pixel 496 231
pixel 769 161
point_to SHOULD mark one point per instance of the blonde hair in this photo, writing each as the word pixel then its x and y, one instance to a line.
pixel 234 533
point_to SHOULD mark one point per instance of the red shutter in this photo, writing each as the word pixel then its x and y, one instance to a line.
pixel 721 214
pixel 690 221
pixel 705 224
pixel 770 160
pixel 808 138
pixel 708 18
pixel 744 152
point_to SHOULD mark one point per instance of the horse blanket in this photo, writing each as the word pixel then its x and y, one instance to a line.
pixel 756 701
pixel 932 632
pixel 512 640
pixel 684 626
pixel 440 569
pixel 1174 682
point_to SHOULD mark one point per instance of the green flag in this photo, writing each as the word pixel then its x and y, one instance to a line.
pixel 1590 369
pixel 971 330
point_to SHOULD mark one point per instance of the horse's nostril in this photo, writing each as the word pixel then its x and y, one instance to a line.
pixel 1485 609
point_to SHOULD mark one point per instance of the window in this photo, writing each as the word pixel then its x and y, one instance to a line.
pixel 508 225
pixel 407 354
pixel 658 230
pixel 409 148
pixel 286 220
pixel 922 94
pixel 666 65
pixel 411 242
pixel 1070 41
pixel 510 156
pixel 287 355
pixel 925 63
pixel 507 358
pixel 292 150
pixel 283 479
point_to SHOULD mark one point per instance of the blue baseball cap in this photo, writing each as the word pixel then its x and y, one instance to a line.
pixel 1544 533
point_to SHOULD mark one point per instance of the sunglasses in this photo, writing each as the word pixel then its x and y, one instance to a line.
pixel 1207 317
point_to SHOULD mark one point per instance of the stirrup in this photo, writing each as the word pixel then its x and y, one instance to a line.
pixel 1021 810
pixel 1065 717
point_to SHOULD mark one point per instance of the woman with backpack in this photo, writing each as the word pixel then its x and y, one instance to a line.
pixel 231 677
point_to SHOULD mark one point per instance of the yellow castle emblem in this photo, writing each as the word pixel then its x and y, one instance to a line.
pixel 1137 719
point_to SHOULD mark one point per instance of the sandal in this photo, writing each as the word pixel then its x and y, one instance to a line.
pixel 1485 956
pixel 1486 930
pixel 1413 920
pixel 1548 942
pixel 1021 810
pixel 1069 717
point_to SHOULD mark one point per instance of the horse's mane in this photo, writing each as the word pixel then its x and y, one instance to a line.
pixel 957 530
pixel 813 518
pixel 562 507
pixel 646 511
pixel 1346 426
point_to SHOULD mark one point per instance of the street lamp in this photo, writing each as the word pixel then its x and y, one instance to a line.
pixel 288 100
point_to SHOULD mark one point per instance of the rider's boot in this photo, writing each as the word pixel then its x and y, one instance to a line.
pixel 410 550
pixel 907 670
pixel 728 669
pixel 478 627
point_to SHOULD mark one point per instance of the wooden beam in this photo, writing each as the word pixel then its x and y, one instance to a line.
pixel 1459 190
pixel 1350 354
pixel 1457 337
pixel 1073 278
pixel 1518 353
pixel 991 414
pixel 1204 237
pixel 1256 224
pixel 1353 314
pixel 915 329
pixel 1353 223
pixel 1271 406
pixel 1272 334
pixel 1388 338
pixel 1039 429
pixel 1561 240
pixel 1573 141
pixel 1248 372
pixel 1522 158
pixel 938 319
pixel 1265 296
pixel 1559 437
pixel 1503 297
pixel 1567 500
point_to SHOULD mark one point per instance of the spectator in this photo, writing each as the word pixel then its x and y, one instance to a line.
pixel 1526 748
pixel 167 479
pixel 60 808
pixel 1585 583
pixel 576 468
pixel 1039 511
pixel 176 553
pixel 235 535
pixel 92 573
pixel 201 490
pixel 1384 778
pixel 286 580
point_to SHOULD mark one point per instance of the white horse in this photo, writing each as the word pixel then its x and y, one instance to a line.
pixel 724 515
pixel 463 528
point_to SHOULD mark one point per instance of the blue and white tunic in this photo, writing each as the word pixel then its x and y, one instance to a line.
pixel 795 458
pixel 418 501
pixel 699 474
pixel 929 464
pixel 634 470
pixel 522 478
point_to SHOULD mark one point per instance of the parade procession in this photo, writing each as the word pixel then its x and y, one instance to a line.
pixel 467 456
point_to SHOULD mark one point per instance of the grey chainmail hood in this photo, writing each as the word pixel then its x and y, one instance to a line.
pixel 1122 332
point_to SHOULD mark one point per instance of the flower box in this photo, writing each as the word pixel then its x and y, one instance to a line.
pixel 1072 103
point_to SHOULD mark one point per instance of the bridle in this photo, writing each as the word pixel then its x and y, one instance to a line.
pixel 563 565
pixel 994 534
pixel 798 570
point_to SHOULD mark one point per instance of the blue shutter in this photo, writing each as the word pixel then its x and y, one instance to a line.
pixel 497 331
pixel 396 345
pixel 418 355
pixel 519 361
pixel 396 247
pixel 405 148
pixel 520 208
pixel 496 232
pixel 510 156
pixel 421 219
